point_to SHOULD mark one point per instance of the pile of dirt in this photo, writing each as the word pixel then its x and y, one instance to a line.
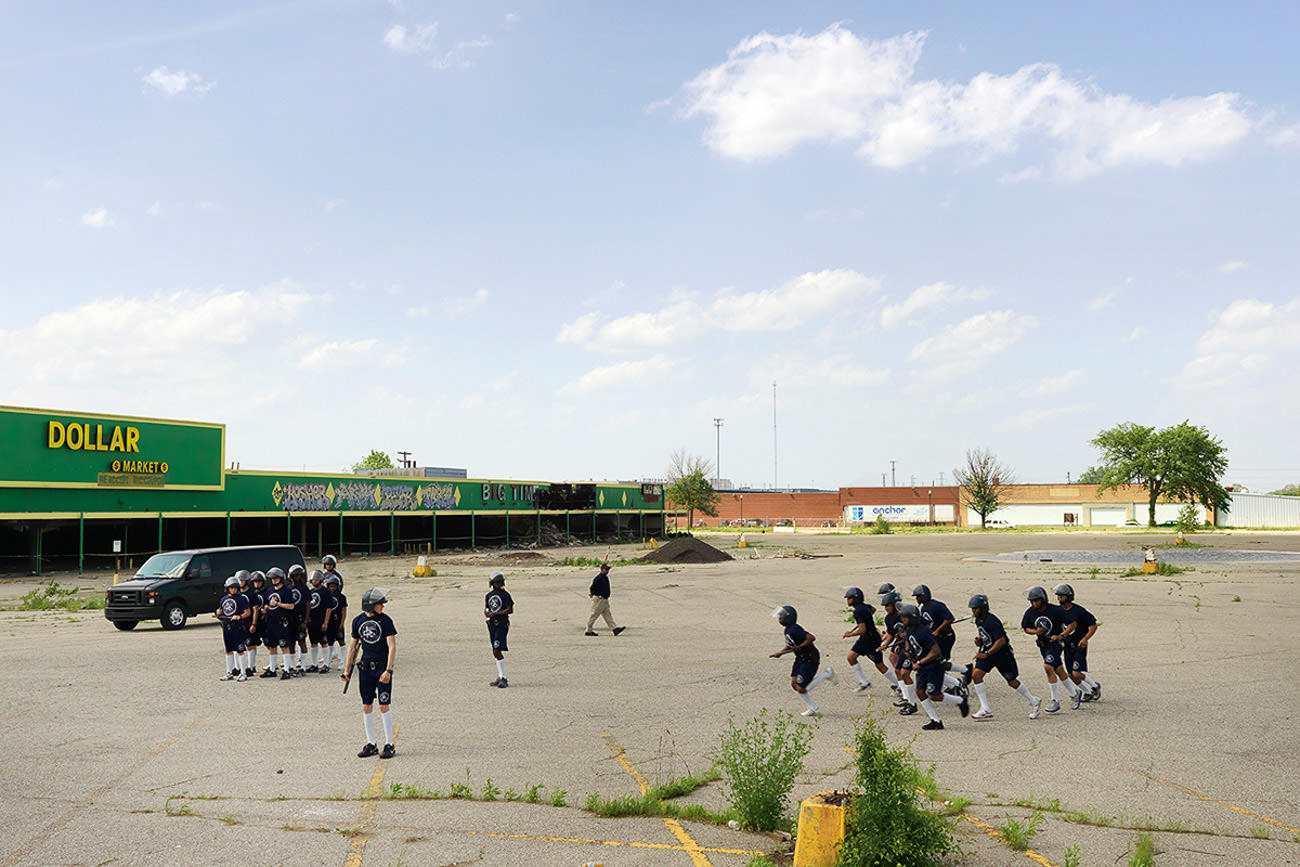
pixel 686 549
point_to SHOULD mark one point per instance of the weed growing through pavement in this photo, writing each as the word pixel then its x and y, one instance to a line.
pixel 463 790
pixel 1236 599
pixel 760 761
pixel 489 792
pixel 510 794
pixel 761 861
pixel 1144 851
pixel 1018 834
pixel 594 562
pixel 1162 568
pixel 228 819
pixel 1071 858
pixel 533 794
pixel 1259 832
pixel 557 797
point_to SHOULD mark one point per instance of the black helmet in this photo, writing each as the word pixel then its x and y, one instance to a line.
pixel 232 581
pixel 1036 593
pixel 295 571
pixel 328 560
pixel 275 572
pixel 244 576
pixel 884 588
pixel 1064 590
pixel 891 598
pixel 315 576
pixel 333 581
pixel 978 602
pixel 372 597
pixel 497 578
pixel 899 628
pixel 257 576
pixel 853 593
pixel 922 593
pixel 786 615
pixel 909 612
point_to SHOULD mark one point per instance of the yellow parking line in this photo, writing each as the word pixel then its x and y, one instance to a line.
pixel 1207 798
pixel 993 832
pixel 357 849
pixel 631 844
pixel 689 845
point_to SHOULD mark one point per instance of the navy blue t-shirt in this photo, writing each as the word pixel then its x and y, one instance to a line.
pixel 864 613
pixel 795 635
pixel 919 643
pixel 232 609
pixel 317 598
pixel 284 595
pixel 498 600
pixel 935 612
pixel 891 623
pixel 1081 618
pixel 371 631
pixel 1049 618
pixel 990 630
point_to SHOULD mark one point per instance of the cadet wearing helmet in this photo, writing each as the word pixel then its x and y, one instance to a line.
pixel 927 663
pixel 1080 628
pixel 868 643
pixel 938 619
pixel 1045 621
pixel 330 566
pixel 279 607
pixel 375 636
pixel 902 669
pixel 993 650
pixel 884 588
pixel 233 614
pixel 257 627
pixel 497 608
pixel 335 616
pixel 246 590
pixel 298 618
pixel 803 674
pixel 317 606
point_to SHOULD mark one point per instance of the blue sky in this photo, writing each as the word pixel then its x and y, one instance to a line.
pixel 555 240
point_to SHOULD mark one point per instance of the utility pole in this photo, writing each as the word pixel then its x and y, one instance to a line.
pixel 882 480
pixel 940 478
pixel 717 460
pixel 893 481
pixel 774 483
pixel 404 456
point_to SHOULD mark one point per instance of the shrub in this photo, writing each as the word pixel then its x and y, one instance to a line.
pixel 886 825
pixel 1189 519
pixel 881 526
pixel 759 762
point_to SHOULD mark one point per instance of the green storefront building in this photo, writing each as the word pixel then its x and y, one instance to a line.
pixel 80 490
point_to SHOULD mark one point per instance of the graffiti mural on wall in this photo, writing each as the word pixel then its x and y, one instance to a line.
pixel 363 497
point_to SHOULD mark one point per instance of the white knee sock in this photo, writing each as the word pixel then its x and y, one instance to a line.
pixel 1055 690
pixel 819 680
pixel 862 677
pixel 951 699
pixel 807 699
pixel 891 677
pixel 929 709
pixel 387 719
pixel 1024 690
pixel 501 668
pixel 369 720
pixel 1092 684
pixel 252 658
pixel 230 662
pixel 982 692
pixel 950 682
pixel 909 692
pixel 958 668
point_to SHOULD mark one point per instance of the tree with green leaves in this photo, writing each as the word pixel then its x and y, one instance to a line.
pixel 376 460
pixel 1181 462
pixel 689 487
pixel 1287 491
pixel 984 482
pixel 1091 476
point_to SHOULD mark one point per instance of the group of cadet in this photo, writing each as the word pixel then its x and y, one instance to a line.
pixel 301 619
pixel 915 653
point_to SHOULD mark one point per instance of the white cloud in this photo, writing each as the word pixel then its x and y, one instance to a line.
pixel 775 92
pixel 337 353
pixel 175 83
pixel 155 209
pixel 619 375
pixel 1136 334
pixel 1033 417
pixel 1229 267
pixel 99 218
pixel 934 295
pixel 417 40
pixel 579 330
pixel 1287 137
pixel 1101 302
pixel 974 340
pixel 1244 338
pixel 1049 386
pixel 457 56
pixel 417 312
pixel 454 307
pixel 512 18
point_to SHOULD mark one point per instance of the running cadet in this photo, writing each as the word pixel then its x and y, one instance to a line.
pixel 1046 621
pixel 898 661
pixel 927 662
pixel 868 640
pixel 317 599
pixel 803 674
pixel 279 608
pixel 497 608
pixel 993 650
pixel 938 618
pixel 1077 635
pixel 233 614
pixel 375 635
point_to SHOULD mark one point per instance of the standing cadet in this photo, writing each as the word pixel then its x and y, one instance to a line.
pixel 317 607
pixel 298 619
pixel 599 594
pixel 336 610
pixel 868 643
pixel 803 673
pixel 497 608
pixel 927 663
pixel 339 620
pixel 1082 626
pixel 1044 620
pixel 279 608
pixel 376 636
pixel 233 614
pixel 246 590
pixel 993 650
pixel 257 631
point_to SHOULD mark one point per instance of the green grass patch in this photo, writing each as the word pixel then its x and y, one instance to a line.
pixel 1018 834
pixel 1144 851
pixel 1162 568
pixel 54 596
pixel 595 562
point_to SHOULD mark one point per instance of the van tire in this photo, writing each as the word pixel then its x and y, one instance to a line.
pixel 174 616
pixel 125 625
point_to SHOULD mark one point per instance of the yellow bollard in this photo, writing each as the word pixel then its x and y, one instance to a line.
pixel 821 829
pixel 422 569
pixel 1150 567
pixel 742 543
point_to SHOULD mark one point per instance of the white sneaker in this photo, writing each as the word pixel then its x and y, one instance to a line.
pixel 1053 707
pixel 229 675
pixel 863 687
pixel 242 677
pixel 982 714
pixel 811 712
pixel 1034 707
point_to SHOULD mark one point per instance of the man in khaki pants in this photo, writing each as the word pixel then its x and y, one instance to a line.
pixel 600 601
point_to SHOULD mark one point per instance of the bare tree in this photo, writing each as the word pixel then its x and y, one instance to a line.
pixel 984 481
pixel 688 485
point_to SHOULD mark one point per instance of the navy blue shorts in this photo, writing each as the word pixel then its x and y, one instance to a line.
pixel 1004 662
pixel 497 633
pixel 372 690
pixel 868 646
pixel 929 680
pixel 277 635
pixel 1076 658
pixel 1051 653
pixel 236 640
pixel 316 632
pixel 804 670
pixel 945 644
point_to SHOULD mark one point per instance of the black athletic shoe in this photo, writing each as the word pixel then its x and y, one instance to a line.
pixel 250 671
pixel 907 710
pixel 496 682
pixel 268 673
pixel 618 629
pixel 588 632
pixel 388 752
pixel 933 725
pixel 367 751
pixel 503 683
pixel 964 707
pixel 312 669
pixel 284 675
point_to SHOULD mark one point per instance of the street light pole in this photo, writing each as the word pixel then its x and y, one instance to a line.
pixel 717 458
